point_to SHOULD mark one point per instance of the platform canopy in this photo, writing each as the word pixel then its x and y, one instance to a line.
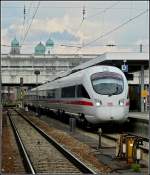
pixel 132 59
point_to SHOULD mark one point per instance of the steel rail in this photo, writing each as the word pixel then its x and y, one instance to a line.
pixel 26 160
pixel 74 160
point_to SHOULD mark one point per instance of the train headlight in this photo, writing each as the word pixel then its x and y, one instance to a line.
pixel 121 102
pixel 98 102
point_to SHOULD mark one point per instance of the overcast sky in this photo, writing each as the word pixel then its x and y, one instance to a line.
pixel 63 22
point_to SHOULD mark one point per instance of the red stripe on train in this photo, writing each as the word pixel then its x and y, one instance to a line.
pixel 81 102
pixel 77 102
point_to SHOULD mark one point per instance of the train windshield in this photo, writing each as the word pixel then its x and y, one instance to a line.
pixel 107 83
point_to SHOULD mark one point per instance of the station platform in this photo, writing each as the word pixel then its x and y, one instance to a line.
pixel 139 115
pixel 138 123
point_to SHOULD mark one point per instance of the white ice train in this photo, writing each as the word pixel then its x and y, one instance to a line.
pixel 97 94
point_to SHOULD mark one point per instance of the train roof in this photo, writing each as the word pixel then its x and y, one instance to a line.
pixel 74 77
pixel 132 59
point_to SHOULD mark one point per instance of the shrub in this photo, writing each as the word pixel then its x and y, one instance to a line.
pixel 136 167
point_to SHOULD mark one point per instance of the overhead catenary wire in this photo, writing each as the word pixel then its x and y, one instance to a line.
pixel 85 18
pixel 78 46
pixel 31 45
pixel 131 9
pixel 26 33
pixel 66 46
pixel 114 29
pixel 103 11
pixel 24 19
pixel 73 7
pixel 28 12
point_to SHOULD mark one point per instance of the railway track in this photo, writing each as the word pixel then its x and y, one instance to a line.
pixel 41 153
pixel 113 138
pixel 11 158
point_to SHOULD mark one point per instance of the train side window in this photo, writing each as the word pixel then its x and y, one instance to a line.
pixel 40 95
pixel 51 93
pixel 81 92
pixel 68 92
pixel 44 95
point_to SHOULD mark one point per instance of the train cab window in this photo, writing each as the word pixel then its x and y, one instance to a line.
pixel 68 92
pixel 81 92
pixel 107 83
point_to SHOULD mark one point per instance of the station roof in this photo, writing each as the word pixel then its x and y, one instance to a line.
pixel 132 59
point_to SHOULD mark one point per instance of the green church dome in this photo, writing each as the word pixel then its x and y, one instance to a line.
pixel 40 49
pixel 14 43
pixel 49 43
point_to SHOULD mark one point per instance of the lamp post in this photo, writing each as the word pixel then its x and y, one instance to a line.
pixel 21 91
pixel 37 72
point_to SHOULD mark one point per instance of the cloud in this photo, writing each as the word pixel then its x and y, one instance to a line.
pixel 142 41
pixel 63 25
pixel 66 26
pixel 4 37
pixel 5 40
pixel 64 36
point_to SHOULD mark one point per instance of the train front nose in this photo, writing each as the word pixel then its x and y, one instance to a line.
pixel 112 109
pixel 116 114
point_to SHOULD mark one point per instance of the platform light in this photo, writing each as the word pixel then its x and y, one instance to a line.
pixel 37 72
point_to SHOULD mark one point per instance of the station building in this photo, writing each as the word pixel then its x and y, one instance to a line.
pixel 17 67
